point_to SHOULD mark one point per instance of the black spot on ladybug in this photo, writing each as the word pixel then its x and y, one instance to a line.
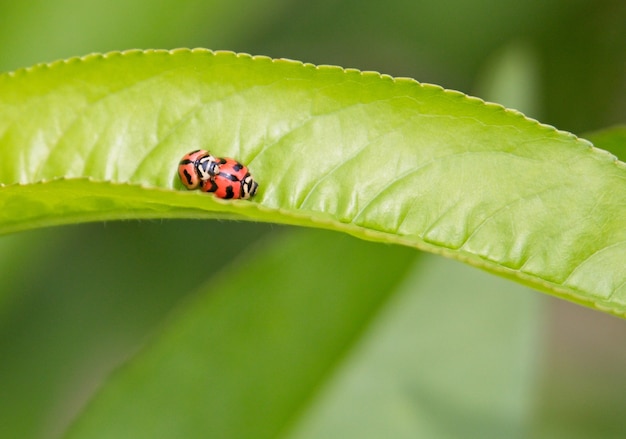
pixel 228 176
pixel 229 193
pixel 237 166
pixel 213 186
pixel 187 176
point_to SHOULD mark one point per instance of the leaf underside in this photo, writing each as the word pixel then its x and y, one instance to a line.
pixel 385 159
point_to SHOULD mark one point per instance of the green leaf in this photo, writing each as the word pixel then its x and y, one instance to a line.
pixel 380 158
pixel 288 350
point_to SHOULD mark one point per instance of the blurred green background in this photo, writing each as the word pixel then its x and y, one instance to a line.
pixel 76 301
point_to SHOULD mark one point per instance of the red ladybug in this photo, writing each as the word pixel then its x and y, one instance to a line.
pixel 196 167
pixel 232 181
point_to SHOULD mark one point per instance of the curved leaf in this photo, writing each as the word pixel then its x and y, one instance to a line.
pixel 381 158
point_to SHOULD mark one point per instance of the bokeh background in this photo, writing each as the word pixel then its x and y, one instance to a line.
pixel 560 61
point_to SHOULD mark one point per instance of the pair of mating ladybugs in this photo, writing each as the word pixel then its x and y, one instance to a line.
pixel 225 177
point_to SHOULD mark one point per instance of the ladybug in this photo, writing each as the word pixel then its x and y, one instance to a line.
pixel 197 167
pixel 232 181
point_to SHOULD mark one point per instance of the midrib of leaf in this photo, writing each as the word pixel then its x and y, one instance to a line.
pixel 380 158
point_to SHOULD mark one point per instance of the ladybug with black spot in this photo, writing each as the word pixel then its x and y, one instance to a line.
pixel 224 177
pixel 196 167
pixel 232 181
